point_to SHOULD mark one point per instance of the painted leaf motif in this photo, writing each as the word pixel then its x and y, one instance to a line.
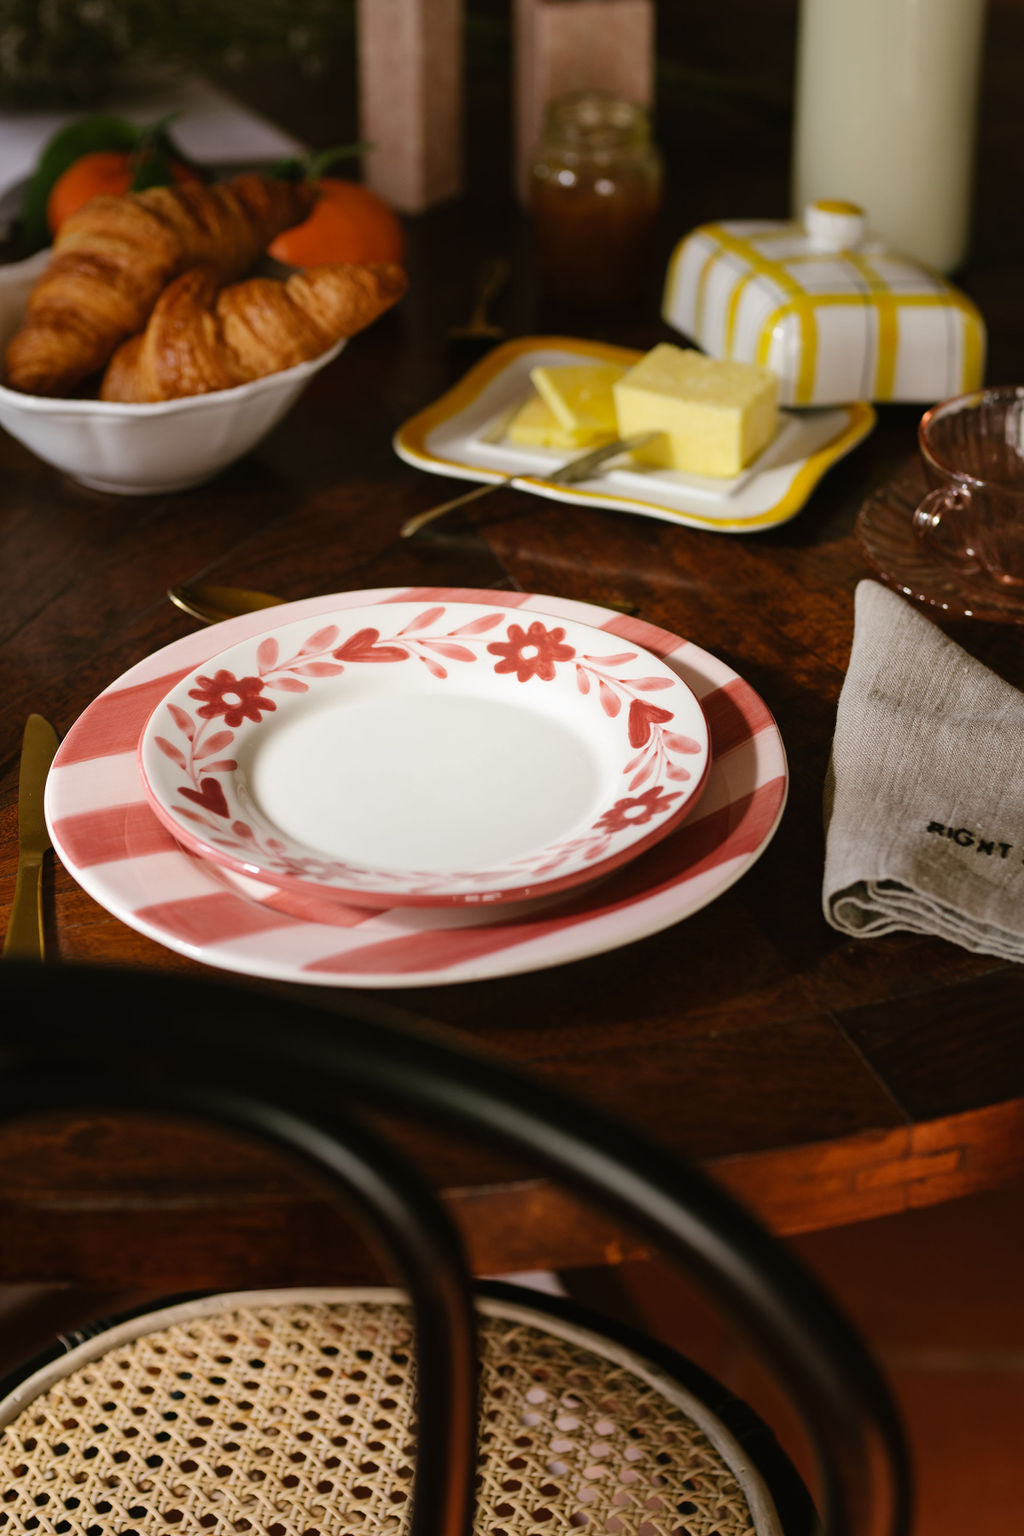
pixel 582 679
pixel 610 702
pixel 243 830
pixel 677 772
pixel 423 620
pixel 677 743
pixel 644 774
pixel 321 641
pixel 550 864
pixel 618 660
pixel 318 668
pixel 642 716
pixel 215 743
pixel 183 720
pixel 434 667
pixel 447 649
pixel 288 684
pixel 170 750
pixel 267 653
pixel 201 821
pixel 651 684
pixel 222 765
pixel 479 626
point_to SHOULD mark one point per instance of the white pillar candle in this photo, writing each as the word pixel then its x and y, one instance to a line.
pixel 885 116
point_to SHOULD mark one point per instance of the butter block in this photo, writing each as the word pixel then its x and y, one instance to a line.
pixel 715 416
pixel 535 425
pixel 580 395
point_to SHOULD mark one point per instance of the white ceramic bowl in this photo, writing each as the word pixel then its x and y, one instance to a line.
pixel 140 450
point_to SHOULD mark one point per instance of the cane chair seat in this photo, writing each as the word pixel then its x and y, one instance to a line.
pixel 290 1413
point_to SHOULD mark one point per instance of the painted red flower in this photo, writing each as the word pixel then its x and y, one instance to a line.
pixel 635 812
pixel 236 698
pixel 532 652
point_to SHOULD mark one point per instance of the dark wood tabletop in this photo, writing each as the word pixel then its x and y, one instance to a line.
pixel 824 1079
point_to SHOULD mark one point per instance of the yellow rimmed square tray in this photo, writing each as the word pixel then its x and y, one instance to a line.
pixel 462 434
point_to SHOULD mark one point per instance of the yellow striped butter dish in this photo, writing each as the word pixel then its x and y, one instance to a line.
pixel 832 312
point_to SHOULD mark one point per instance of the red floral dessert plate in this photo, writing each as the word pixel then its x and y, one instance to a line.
pixel 426 753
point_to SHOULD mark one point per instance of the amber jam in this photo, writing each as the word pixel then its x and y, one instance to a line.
pixel 595 192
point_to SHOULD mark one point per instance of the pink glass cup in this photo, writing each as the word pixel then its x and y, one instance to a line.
pixel 972 448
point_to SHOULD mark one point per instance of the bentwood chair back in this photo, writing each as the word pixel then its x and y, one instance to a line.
pixel 434 1406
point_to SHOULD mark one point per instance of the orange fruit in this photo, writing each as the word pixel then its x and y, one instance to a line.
pixel 104 170
pixel 350 223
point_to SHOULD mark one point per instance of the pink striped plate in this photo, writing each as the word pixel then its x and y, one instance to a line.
pixel 108 837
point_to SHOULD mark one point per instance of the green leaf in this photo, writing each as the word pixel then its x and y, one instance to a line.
pixel 151 168
pixel 314 165
pixel 151 161
pixel 319 164
pixel 68 144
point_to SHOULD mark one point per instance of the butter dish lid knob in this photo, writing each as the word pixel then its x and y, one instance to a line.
pixel 834 225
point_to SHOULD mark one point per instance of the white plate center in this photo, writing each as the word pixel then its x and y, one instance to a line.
pixel 406 782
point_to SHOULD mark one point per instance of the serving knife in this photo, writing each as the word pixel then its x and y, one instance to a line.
pixel 24 937
pixel 566 474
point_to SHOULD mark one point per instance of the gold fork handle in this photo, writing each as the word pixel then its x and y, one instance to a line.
pixel 24 937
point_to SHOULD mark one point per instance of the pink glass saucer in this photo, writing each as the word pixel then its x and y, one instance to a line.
pixel 904 561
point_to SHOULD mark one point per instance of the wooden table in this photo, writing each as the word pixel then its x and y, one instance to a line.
pixel 824 1079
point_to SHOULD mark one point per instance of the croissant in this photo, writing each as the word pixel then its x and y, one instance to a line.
pixel 200 339
pixel 113 258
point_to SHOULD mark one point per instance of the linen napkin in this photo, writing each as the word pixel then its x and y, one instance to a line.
pixel 924 795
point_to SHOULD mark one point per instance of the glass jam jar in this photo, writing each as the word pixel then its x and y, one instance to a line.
pixel 595 192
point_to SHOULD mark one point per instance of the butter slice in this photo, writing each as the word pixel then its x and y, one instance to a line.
pixel 714 416
pixel 580 395
pixel 535 425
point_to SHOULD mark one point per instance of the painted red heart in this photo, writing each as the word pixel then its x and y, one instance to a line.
pixel 641 717
pixel 362 646
pixel 209 795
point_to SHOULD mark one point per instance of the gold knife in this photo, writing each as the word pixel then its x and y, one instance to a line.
pixel 24 937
